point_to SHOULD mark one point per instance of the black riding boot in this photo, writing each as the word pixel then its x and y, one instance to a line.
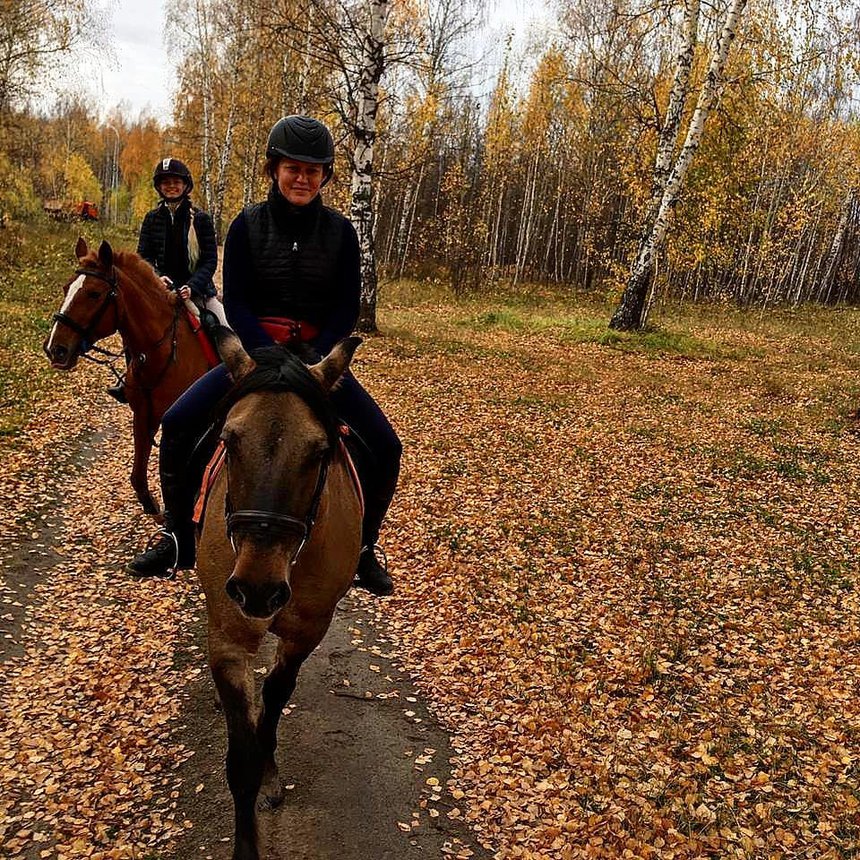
pixel 372 575
pixel 176 546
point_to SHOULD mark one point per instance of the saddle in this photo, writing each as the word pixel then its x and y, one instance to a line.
pixel 216 464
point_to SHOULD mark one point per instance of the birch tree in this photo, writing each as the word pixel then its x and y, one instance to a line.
pixel 633 310
pixel 35 36
pixel 364 134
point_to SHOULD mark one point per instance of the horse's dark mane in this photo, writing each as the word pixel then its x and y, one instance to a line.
pixel 279 368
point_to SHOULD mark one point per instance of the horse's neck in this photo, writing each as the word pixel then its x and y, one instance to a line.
pixel 148 312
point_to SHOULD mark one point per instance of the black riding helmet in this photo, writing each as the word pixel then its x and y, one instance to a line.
pixel 172 167
pixel 302 139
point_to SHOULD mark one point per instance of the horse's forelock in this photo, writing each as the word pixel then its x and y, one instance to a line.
pixel 278 368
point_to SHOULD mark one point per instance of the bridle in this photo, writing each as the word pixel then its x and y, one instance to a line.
pixel 85 333
pixel 267 522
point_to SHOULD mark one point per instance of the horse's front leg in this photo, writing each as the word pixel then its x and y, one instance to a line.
pixel 142 450
pixel 230 670
pixel 277 689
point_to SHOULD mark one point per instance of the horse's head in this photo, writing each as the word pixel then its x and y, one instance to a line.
pixel 89 310
pixel 280 434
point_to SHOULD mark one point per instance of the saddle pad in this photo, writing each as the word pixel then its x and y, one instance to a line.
pixel 209 352
pixel 214 466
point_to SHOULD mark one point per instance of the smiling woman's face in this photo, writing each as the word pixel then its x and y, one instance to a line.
pixel 298 181
pixel 172 187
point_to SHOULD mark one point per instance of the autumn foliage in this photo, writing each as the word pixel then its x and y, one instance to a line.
pixel 538 168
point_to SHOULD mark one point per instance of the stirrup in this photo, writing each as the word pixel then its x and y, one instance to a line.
pixel 377 551
pixel 170 573
pixel 117 391
pixel 381 565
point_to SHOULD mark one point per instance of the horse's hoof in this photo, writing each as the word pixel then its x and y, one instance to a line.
pixel 245 851
pixel 271 795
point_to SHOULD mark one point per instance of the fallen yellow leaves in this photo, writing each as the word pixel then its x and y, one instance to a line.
pixel 87 761
pixel 628 586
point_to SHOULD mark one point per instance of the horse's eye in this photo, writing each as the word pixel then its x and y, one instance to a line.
pixel 93 294
pixel 229 440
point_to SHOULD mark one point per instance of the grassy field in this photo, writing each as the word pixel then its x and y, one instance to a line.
pixel 626 564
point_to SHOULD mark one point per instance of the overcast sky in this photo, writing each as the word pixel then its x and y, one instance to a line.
pixel 140 72
pixel 139 77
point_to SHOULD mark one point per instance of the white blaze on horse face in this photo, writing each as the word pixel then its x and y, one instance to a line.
pixel 73 290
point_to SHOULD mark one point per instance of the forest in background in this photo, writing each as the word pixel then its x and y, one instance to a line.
pixel 548 178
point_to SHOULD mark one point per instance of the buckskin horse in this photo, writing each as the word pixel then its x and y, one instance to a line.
pixel 278 548
pixel 119 291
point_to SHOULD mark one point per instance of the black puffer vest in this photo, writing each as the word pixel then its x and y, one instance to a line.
pixel 295 252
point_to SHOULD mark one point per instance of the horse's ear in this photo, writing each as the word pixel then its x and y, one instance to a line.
pixel 229 347
pixel 81 248
pixel 106 255
pixel 334 365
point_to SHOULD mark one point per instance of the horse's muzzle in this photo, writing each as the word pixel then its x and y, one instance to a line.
pixel 258 601
pixel 61 357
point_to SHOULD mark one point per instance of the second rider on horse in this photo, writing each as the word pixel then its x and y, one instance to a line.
pixel 178 240
pixel 292 274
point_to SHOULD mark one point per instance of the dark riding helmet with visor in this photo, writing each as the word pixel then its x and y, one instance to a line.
pixel 172 167
pixel 302 138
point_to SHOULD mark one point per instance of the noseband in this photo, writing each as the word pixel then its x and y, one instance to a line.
pixel 271 522
pixel 86 333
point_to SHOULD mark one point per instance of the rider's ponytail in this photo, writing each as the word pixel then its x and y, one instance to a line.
pixel 193 244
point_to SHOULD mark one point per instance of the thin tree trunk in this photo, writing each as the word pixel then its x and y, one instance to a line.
pixel 224 156
pixel 632 311
pixel 677 100
pixel 207 98
pixel 361 210
pixel 837 245
pixel 406 237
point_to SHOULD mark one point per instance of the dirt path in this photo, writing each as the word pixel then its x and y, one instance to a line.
pixel 366 763
pixel 110 743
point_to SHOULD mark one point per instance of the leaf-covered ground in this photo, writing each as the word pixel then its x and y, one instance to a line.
pixel 628 580
pixel 626 573
pixel 91 689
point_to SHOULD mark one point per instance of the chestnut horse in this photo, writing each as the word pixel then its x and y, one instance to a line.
pixel 278 549
pixel 118 291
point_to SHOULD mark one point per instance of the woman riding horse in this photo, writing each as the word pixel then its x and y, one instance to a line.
pixel 178 241
pixel 292 274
